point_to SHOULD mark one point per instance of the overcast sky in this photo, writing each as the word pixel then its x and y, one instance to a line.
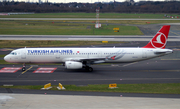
pixel 81 1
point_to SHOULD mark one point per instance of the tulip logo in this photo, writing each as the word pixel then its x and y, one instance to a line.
pixel 159 41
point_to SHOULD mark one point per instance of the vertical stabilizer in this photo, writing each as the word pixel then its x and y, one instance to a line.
pixel 160 39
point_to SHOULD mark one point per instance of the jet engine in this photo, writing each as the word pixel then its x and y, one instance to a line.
pixel 73 65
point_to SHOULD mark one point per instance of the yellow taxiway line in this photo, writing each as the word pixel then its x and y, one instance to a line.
pixel 27 70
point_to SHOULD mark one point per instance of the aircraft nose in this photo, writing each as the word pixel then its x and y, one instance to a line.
pixel 6 58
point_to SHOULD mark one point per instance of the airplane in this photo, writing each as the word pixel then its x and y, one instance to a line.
pixel 78 58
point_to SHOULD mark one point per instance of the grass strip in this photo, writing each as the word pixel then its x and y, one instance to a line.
pixel 72 28
pixel 61 28
pixel 89 15
pixel 4 62
pixel 2 56
pixel 166 88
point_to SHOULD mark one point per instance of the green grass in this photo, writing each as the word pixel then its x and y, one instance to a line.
pixel 131 88
pixel 61 28
pixel 142 22
pixel 71 28
pixel 169 88
pixel 1 56
pixel 88 15
pixel 3 62
pixel 123 30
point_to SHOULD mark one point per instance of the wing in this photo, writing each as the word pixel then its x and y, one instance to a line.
pixel 91 60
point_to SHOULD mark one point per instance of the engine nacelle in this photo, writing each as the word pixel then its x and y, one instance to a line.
pixel 73 65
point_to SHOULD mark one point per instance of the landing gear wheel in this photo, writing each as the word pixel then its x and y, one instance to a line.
pixel 23 69
pixel 90 69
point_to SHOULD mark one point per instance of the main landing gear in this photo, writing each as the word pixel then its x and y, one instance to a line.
pixel 24 67
pixel 90 69
pixel 86 65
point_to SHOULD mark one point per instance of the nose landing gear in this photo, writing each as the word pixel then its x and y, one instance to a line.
pixel 24 67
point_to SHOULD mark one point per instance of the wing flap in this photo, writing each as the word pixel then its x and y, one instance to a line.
pixel 93 60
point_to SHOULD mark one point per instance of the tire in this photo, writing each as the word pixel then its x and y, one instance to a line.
pixel 90 69
pixel 23 69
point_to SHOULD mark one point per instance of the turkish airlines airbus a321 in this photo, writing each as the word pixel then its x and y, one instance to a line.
pixel 77 58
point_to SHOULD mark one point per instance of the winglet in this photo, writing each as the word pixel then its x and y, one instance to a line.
pixel 160 39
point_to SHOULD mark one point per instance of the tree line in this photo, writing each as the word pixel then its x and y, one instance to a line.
pixel 119 7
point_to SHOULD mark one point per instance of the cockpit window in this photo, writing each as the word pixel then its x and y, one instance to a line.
pixel 13 53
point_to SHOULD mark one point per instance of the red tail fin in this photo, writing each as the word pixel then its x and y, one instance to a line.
pixel 160 39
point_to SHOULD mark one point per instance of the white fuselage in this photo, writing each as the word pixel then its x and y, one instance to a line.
pixel 61 55
pixel 76 58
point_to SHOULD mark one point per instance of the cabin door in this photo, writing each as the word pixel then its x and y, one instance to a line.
pixel 57 55
pixel 144 54
pixel 23 54
pixel 99 54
